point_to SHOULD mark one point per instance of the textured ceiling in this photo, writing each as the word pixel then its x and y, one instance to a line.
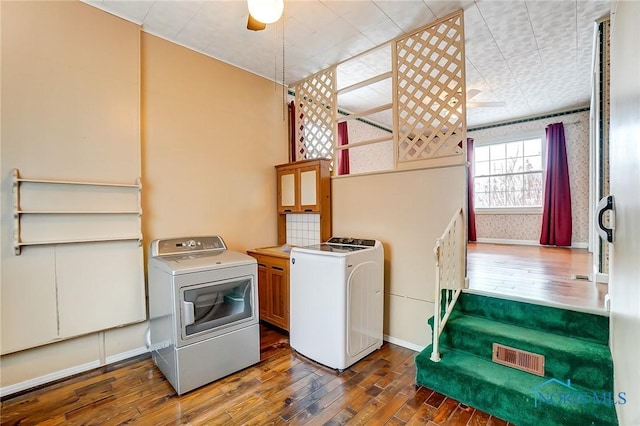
pixel 533 55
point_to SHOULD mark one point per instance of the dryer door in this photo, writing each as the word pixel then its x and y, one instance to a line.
pixel 213 308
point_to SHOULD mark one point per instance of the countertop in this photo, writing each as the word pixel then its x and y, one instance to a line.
pixel 277 251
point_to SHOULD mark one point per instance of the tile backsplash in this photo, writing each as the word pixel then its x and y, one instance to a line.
pixel 303 229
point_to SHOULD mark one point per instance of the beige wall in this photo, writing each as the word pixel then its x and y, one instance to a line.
pixel 526 227
pixel 70 111
pixel 407 211
pixel 624 287
pixel 211 137
pixel 205 139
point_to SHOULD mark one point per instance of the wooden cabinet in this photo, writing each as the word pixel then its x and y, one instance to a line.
pixel 299 188
pixel 273 286
pixel 304 187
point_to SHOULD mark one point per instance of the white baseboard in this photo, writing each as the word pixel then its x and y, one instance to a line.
pixel 403 343
pixel 602 278
pixel 68 372
pixel 47 378
pixel 524 242
pixel 512 242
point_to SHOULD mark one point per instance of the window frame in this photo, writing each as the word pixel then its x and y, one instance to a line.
pixel 504 139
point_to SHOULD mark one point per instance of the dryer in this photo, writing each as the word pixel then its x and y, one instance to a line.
pixel 336 300
pixel 203 309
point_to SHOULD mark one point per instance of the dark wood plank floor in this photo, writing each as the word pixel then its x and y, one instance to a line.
pixel 284 388
pixel 546 274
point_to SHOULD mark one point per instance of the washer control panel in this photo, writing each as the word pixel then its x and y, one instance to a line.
pixel 348 241
pixel 186 245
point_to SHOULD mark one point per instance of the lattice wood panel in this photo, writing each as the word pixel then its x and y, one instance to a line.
pixel 316 110
pixel 451 254
pixel 429 92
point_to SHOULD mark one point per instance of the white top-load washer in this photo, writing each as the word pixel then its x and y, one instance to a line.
pixel 336 300
pixel 203 310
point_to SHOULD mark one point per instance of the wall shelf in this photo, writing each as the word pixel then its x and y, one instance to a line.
pixel 78 212
pixel 70 182
pixel 18 213
pixel 76 241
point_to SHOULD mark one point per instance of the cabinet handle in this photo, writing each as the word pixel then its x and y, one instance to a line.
pixel 278 268
pixel 308 210
pixel 287 210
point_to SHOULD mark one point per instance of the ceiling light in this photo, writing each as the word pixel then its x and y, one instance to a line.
pixel 266 11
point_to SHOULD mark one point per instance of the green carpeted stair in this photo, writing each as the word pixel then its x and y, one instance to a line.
pixel 578 385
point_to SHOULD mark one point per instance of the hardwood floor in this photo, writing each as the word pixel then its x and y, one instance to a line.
pixel 284 388
pixel 544 274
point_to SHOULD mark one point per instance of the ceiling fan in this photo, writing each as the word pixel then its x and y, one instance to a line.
pixel 453 100
pixel 263 12
pixel 254 25
pixel 474 92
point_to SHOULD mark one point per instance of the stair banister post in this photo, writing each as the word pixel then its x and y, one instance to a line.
pixel 435 354
pixel 462 252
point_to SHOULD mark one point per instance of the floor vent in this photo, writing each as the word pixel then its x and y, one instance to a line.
pixel 580 277
pixel 516 358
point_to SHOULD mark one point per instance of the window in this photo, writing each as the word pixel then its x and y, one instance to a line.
pixel 509 174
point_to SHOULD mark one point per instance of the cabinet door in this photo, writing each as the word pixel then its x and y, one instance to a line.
pixel 309 189
pixel 263 291
pixel 287 191
pixel 280 297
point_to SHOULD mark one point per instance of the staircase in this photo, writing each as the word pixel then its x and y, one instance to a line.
pixel 577 386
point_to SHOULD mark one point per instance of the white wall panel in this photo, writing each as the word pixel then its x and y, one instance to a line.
pixel 29 317
pixel 407 321
pixel 407 211
pixel 624 284
pixel 99 288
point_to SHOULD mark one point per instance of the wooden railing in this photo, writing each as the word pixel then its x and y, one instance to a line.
pixel 450 275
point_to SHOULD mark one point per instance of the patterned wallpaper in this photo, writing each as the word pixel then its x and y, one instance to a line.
pixel 524 227
pixel 369 158
pixel 527 227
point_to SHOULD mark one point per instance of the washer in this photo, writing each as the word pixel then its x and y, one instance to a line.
pixel 203 309
pixel 336 300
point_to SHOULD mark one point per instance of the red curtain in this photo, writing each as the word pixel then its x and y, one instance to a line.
pixel 292 131
pixel 343 154
pixel 556 215
pixel 471 215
